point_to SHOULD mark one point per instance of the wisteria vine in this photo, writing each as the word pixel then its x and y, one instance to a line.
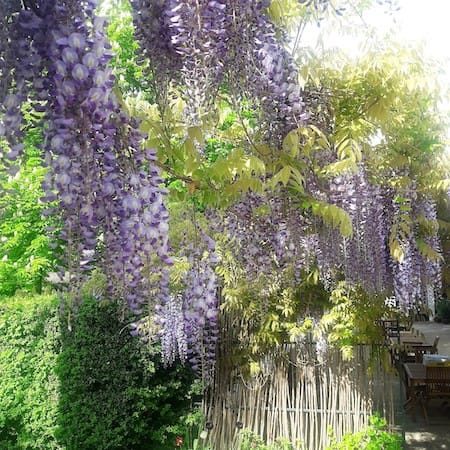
pixel 199 44
pixel 270 233
pixel 189 321
pixel 107 187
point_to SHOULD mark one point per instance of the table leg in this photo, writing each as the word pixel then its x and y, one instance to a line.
pixel 411 399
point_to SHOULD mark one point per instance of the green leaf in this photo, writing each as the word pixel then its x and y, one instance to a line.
pixel 333 215
pixel 427 251
pixel 291 143
pixel 282 176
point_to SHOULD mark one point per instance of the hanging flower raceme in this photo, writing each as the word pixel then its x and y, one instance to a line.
pixel 19 62
pixel 170 317
pixel 200 43
pixel 266 72
pixel 417 274
pixel 268 233
pixel 201 309
pixel 107 185
pixel 188 321
pixel 364 257
pixel 9 43
pixel 426 213
pixel 389 250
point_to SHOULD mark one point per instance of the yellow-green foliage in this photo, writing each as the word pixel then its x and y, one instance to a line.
pixel 386 113
pixel 375 437
pixel 25 252
pixel 271 309
pixel 351 318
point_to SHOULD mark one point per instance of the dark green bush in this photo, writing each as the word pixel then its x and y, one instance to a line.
pixel 114 394
pixel 443 310
pixel 94 387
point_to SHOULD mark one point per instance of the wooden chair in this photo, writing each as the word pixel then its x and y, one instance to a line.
pixel 435 345
pixel 418 333
pixel 421 350
pixel 414 353
pixel 437 385
pixel 391 328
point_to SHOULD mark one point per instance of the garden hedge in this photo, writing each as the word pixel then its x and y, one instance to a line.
pixel 94 387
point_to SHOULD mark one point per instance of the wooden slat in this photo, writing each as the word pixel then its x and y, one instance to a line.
pixel 299 400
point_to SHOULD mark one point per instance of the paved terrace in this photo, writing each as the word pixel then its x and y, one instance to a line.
pixel 436 434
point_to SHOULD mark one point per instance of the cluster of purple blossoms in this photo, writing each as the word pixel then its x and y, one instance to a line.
pixel 268 234
pixel 18 63
pixel 8 8
pixel 198 36
pixel 189 321
pixel 271 233
pixel 431 268
pixel 107 186
pixel 201 312
pixel 267 71
pixel 197 44
pixel 417 277
pixel 170 318
pixel 364 257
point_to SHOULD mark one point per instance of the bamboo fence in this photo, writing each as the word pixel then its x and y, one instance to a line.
pixel 299 396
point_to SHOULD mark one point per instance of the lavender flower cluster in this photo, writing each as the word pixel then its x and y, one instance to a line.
pixel 199 44
pixel 7 8
pixel 170 317
pixel 269 234
pixel 189 320
pixel 17 62
pixel 198 35
pixel 267 72
pixel 364 257
pixel 107 186
pixel 417 278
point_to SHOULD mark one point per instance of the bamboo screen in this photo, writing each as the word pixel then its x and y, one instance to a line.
pixel 299 397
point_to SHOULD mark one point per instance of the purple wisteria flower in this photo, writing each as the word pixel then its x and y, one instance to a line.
pixel 108 189
pixel 189 320
pixel 201 44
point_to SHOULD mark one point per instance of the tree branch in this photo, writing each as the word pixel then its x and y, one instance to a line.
pixel 169 170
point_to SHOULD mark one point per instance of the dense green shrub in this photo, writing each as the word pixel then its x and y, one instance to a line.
pixel 28 385
pixel 94 387
pixel 114 392
pixel 374 437
pixel 26 256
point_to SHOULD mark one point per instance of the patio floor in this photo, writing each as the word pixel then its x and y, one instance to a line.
pixel 418 434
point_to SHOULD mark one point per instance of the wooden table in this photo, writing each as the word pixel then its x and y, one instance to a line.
pixel 414 353
pixel 416 375
pixel 404 340
pixel 412 340
pixel 416 372
pixel 421 386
